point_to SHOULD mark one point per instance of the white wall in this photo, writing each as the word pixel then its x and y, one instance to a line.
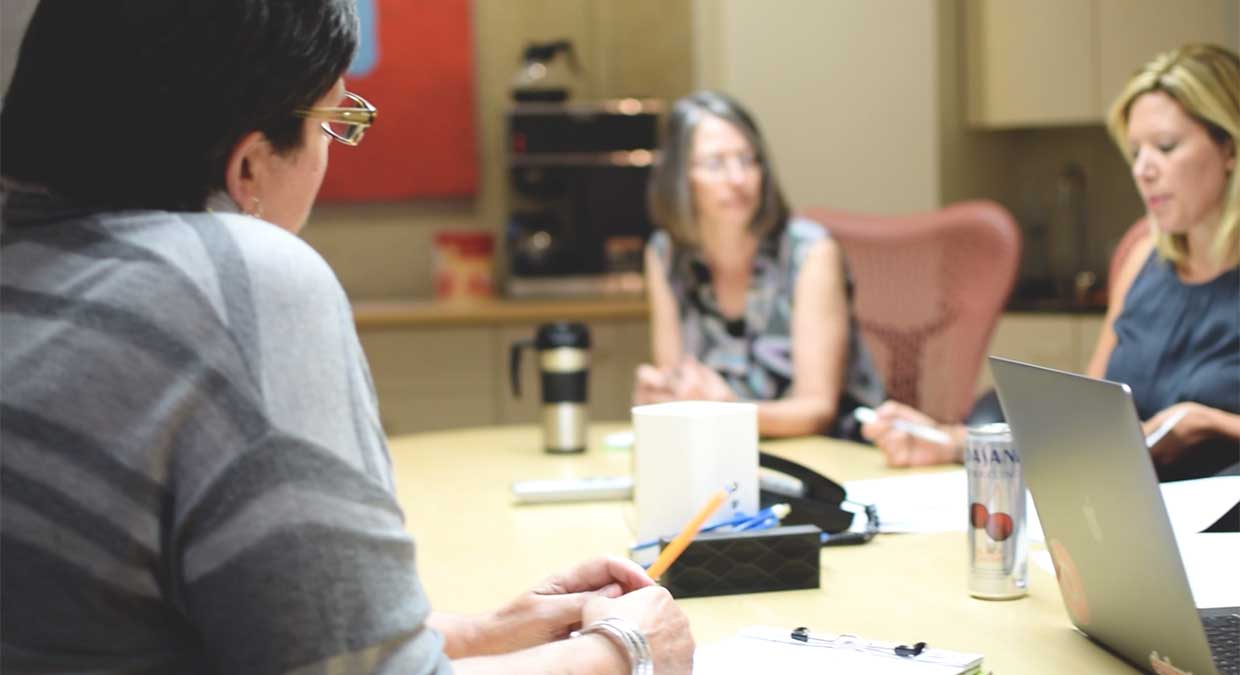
pixel 845 91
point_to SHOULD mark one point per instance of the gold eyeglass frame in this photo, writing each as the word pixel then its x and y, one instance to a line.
pixel 359 118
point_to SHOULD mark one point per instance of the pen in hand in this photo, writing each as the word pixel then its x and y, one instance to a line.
pixel 678 545
pixel 1163 429
pixel 866 415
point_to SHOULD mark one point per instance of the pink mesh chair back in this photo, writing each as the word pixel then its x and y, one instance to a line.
pixel 1136 233
pixel 928 290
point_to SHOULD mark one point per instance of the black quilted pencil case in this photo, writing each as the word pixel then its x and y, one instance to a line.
pixel 727 563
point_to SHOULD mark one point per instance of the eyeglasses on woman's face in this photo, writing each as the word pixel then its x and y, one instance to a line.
pixel 346 123
pixel 719 166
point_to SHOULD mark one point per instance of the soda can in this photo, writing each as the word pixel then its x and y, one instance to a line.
pixel 998 543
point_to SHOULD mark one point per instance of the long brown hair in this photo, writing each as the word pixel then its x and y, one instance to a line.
pixel 669 195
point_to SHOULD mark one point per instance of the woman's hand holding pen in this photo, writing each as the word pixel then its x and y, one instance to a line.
pixel 1187 423
pixel 694 381
pixel 652 385
pixel 902 448
pixel 689 380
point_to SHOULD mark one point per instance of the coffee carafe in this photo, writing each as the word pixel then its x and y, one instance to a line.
pixel 544 76
pixel 563 364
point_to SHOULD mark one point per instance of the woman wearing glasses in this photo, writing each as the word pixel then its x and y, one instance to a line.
pixel 195 479
pixel 748 302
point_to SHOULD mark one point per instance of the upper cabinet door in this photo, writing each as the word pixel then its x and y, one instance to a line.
pixel 1037 63
pixel 1131 32
pixel 1030 62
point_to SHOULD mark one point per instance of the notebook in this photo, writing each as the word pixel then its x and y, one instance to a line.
pixel 1120 574
pixel 763 649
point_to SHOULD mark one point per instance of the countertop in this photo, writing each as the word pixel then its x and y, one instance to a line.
pixel 398 313
pixel 1035 305
pixel 412 313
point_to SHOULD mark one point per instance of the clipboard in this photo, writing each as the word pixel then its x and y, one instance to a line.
pixel 774 650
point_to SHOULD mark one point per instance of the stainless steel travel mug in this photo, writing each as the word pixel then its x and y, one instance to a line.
pixel 564 363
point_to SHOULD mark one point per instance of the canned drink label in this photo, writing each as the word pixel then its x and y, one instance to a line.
pixel 996 532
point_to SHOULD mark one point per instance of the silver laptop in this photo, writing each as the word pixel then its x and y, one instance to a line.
pixel 1116 558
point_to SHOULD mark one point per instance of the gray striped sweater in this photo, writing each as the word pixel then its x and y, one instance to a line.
pixel 193 475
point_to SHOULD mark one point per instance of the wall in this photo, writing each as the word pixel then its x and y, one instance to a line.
pixel 12 25
pixel 864 107
pixel 626 47
pixel 863 104
pixel 844 92
pixel 971 161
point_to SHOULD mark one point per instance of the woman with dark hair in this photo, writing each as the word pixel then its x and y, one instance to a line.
pixel 748 302
pixel 1172 328
pixel 194 475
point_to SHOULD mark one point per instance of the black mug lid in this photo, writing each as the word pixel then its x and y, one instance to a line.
pixel 562 334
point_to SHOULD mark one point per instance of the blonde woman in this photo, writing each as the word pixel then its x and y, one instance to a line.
pixel 1172 329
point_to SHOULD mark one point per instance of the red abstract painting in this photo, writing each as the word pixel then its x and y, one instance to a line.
pixel 415 64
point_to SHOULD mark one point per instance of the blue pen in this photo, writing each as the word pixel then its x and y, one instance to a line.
pixel 736 520
pixel 768 517
pixel 775 514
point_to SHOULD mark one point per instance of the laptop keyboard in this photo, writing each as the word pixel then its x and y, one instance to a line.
pixel 1223 633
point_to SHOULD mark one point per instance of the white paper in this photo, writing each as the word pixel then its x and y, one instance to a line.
pixel 1211 560
pixel 621 440
pixel 747 654
pixel 937 502
pixel 928 502
pixel 1194 505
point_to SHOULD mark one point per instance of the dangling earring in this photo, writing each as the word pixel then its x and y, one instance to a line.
pixel 256 208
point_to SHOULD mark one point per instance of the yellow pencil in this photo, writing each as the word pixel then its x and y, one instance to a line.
pixel 678 545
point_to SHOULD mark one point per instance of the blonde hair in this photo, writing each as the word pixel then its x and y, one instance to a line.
pixel 1205 81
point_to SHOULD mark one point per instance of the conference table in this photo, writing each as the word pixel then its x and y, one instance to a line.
pixel 476 549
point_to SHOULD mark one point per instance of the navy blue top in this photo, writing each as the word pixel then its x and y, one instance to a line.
pixel 1181 342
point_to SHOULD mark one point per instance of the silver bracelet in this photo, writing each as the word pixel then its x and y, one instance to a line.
pixel 628 637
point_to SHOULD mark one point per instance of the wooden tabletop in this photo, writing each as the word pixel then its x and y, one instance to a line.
pixel 477 550
pixel 372 314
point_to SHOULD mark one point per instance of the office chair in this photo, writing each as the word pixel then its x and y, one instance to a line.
pixel 929 288
pixel 1136 233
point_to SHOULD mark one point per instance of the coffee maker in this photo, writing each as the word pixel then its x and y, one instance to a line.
pixel 577 216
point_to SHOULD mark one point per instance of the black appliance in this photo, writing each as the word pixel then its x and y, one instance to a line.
pixel 577 219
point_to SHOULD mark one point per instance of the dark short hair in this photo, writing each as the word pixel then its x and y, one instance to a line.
pixel 669 194
pixel 138 103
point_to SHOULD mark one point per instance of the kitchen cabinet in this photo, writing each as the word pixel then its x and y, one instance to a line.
pixel 442 367
pixel 1131 32
pixel 1037 63
pixel 1029 62
pixel 1055 340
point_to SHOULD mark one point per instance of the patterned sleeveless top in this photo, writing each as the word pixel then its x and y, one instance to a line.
pixel 753 353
